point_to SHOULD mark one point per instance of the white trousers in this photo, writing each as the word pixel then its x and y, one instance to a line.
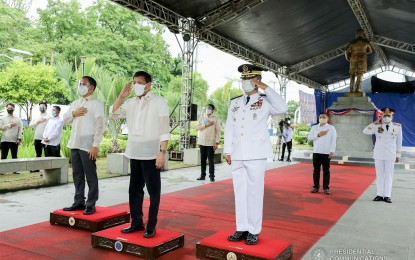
pixel 384 177
pixel 248 185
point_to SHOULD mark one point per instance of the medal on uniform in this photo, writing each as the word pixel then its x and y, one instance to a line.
pixel 234 119
pixel 254 116
pixel 380 130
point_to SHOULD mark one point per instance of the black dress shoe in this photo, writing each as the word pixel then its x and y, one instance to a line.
pixel 314 190
pixel 89 210
pixel 387 200
pixel 251 239
pixel 74 206
pixel 327 191
pixel 378 198
pixel 132 229
pixel 212 179
pixel 281 160
pixel 201 178
pixel 149 233
pixel 238 236
pixel 288 160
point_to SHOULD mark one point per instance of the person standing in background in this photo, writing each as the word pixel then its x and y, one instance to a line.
pixel 39 125
pixel 12 128
pixel 53 134
pixel 209 136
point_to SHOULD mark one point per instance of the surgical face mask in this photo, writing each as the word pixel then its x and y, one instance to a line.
pixel 387 119
pixel 247 86
pixel 208 111
pixel 82 90
pixel 323 120
pixel 139 89
pixel 10 111
pixel 53 113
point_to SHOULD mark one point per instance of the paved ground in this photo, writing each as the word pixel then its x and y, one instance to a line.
pixel 369 230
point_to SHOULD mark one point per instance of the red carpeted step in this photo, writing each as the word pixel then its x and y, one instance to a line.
pixel 135 244
pixel 217 246
pixel 102 218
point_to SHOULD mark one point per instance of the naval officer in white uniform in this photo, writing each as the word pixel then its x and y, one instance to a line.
pixel 247 146
pixel 387 151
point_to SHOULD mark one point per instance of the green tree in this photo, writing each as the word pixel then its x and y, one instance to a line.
pixel 221 97
pixel 292 107
pixel 26 85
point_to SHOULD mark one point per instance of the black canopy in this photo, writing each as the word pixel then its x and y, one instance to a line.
pixel 300 38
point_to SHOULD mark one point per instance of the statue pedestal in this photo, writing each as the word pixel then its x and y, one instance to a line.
pixel 351 141
pixel 354 94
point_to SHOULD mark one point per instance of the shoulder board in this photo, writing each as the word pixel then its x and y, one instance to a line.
pixel 236 97
pixel 396 124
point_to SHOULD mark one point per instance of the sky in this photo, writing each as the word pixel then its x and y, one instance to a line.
pixel 216 66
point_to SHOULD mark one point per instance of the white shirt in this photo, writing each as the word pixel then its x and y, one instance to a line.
pixel 53 131
pixel 39 127
pixel 388 143
pixel 324 144
pixel 287 134
pixel 148 125
pixel 208 136
pixel 11 134
pixel 87 130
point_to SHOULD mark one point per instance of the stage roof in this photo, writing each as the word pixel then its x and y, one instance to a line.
pixel 301 39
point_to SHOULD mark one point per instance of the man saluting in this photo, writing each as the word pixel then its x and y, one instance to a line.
pixel 247 146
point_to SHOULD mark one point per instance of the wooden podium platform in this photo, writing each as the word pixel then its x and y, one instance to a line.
pixel 103 218
pixel 135 244
pixel 218 247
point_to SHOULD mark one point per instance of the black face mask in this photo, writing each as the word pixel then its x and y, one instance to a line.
pixel 42 109
pixel 10 111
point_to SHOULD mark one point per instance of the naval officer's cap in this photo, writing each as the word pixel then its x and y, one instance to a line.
pixel 387 111
pixel 249 71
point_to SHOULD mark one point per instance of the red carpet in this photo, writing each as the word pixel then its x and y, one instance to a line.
pixel 291 213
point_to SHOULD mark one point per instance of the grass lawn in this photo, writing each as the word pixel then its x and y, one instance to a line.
pixel 27 180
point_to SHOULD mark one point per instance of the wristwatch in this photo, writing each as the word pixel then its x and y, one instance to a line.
pixel 163 151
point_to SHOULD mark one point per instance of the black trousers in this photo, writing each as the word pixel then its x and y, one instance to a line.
pixel 207 152
pixel 39 147
pixel 289 146
pixel 318 161
pixel 83 167
pixel 6 146
pixel 53 151
pixel 144 173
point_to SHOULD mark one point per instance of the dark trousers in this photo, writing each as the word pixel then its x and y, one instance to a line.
pixel 207 152
pixel 289 145
pixel 39 147
pixel 83 167
pixel 53 151
pixel 6 146
pixel 144 173
pixel 318 161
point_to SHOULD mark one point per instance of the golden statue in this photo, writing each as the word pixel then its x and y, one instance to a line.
pixel 356 53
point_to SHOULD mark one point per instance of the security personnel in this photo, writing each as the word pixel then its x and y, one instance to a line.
pixel 387 151
pixel 247 146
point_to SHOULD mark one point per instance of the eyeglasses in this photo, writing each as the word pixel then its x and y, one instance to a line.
pixel 84 84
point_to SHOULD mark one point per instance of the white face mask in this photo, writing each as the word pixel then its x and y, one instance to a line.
pixel 139 89
pixel 247 86
pixel 323 120
pixel 82 90
pixel 387 119
pixel 208 111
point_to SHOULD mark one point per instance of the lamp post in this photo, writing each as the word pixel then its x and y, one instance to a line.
pixel 83 58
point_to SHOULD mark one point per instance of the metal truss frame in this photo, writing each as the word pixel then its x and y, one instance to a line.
pixel 226 12
pixel 394 44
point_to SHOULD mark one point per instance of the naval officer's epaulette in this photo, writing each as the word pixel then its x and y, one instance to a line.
pixel 396 123
pixel 236 97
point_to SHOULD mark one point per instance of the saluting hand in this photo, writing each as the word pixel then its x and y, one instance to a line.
pixel 322 133
pixel 377 122
pixel 258 83
pixel 125 92
pixel 81 111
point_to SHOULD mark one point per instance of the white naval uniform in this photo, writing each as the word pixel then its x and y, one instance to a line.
pixel 248 143
pixel 388 147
